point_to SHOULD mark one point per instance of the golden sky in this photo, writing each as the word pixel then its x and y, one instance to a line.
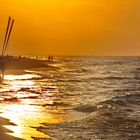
pixel 72 27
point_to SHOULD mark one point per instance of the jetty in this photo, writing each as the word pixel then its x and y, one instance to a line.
pixel 8 62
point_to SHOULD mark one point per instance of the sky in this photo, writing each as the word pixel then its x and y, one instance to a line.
pixel 72 27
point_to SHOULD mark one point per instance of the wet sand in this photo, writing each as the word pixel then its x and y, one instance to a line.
pixel 4 131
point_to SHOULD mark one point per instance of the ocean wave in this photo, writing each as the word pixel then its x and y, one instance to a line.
pixel 130 99
pixel 102 124
pixel 107 120
pixel 11 99
pixel 108 78
pixel 125 101
pixel 78 71
pixel 57 104
pixel 85 108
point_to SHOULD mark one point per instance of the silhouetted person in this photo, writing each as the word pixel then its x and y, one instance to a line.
pixel 50 58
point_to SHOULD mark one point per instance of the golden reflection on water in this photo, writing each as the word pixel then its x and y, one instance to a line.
pixel 25 132
pixel 20 77
pixel 16 82
pixel 26 115
pixel 22 83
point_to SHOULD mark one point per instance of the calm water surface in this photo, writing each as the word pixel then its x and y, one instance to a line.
pixel 86 98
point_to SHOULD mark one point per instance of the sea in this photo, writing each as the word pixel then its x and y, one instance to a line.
pixel 85 98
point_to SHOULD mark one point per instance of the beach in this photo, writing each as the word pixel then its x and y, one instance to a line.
pixel 3 131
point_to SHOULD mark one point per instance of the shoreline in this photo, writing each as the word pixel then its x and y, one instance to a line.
pixel 4 131
pixel 22 63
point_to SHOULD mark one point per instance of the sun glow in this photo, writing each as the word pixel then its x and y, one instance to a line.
pixel 93 27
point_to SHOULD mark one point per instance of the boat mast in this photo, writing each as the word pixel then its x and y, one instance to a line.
pixel 7 35
pixel 7 29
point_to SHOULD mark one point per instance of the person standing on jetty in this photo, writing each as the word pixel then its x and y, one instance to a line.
pixel 50 58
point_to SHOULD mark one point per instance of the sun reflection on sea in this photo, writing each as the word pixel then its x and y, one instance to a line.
pixel 25 117
pixel 22 83
pixel 14 82
pixel 25 132
pixel 28 112
pixel 20 77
